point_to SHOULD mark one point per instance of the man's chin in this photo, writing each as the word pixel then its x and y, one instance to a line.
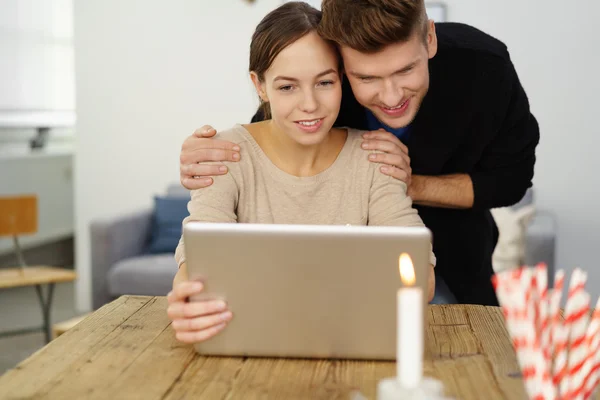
pixel 395 123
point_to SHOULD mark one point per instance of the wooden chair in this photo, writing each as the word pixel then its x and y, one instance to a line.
pixel 19 216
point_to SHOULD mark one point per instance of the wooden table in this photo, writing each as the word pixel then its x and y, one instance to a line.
pixel 127 350
pixel 36 276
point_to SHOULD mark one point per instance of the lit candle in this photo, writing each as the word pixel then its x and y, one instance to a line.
pixel 409 329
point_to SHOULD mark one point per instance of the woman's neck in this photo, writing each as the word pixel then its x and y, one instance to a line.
pixel 293 157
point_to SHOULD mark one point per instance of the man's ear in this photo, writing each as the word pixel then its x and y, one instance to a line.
pixel 259 86
pixel 432 43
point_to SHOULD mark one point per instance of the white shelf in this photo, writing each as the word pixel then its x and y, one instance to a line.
pixel 36 119
pixel 36 154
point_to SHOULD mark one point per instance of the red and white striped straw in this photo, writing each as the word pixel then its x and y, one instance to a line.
pixel 561 346
pixel 577 316
pixel 542 328
pixel 545 325
pixel 544 388
pixel 554 309
pixel 589 371
pixel 525 326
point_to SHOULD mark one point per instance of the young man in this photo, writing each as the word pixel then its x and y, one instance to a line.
pixel 446 94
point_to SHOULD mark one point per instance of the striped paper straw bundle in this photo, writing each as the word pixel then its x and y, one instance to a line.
pixel 559 357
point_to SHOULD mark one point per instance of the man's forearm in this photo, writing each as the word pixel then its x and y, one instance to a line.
pixel 444 191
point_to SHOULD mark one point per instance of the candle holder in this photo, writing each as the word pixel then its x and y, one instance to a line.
pixel 428 389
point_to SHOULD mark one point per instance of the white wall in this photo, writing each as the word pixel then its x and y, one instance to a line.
pixel 150 72
pixel 147 74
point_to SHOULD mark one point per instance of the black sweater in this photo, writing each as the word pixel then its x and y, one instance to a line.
pixel 475 119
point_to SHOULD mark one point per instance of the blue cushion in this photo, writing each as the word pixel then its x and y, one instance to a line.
pixel 169 213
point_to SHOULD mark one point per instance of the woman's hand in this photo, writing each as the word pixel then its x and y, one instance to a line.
pixel 431 284
pixel 196 321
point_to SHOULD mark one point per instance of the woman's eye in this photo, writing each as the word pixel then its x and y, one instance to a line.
pixel 326 83
pixel 285 88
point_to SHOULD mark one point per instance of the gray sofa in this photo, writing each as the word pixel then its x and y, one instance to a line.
pixel 119 266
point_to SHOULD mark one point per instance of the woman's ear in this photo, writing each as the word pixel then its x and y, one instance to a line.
pixel 259 86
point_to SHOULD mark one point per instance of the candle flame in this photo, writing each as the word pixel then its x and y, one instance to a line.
pixel 407 270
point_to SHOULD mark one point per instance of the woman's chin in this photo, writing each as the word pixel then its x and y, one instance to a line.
pixel 310 137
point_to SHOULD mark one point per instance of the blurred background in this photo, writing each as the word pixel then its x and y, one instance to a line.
pixel 97 96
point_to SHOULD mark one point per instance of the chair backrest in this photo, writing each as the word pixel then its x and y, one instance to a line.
pixel 18 215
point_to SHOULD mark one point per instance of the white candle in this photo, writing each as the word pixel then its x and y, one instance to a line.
pixel 409 329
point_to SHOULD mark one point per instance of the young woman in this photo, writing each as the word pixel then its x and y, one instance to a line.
pixel 294 169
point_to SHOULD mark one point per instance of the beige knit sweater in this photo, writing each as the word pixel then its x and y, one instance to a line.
pixel 351 191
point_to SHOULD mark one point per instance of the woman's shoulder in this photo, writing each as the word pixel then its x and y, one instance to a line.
pixel 236 134
pixel 355 136
pixel 354 142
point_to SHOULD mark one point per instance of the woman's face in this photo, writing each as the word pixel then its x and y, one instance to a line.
pixel 304 89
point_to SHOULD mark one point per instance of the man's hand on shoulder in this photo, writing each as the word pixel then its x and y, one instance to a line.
pixel 201 147
pixel 393 156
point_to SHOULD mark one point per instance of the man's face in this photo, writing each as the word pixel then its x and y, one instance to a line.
pixel 392 82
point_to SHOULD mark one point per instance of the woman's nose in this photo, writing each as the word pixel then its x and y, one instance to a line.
pixel 309 103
